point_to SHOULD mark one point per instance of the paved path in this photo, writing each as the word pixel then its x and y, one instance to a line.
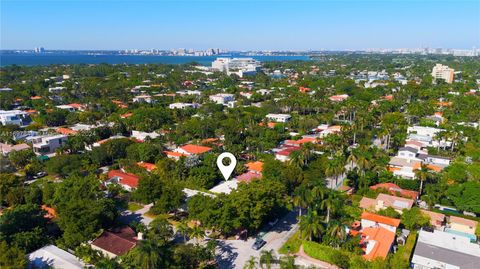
pixel 128 216
pixel 303 259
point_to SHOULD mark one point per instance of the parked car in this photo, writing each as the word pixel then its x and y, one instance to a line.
pixel 258 244
pixel 273 222
pixel 39 175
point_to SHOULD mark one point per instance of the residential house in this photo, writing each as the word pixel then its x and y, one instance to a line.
pixel 187 150
pixel 14 117
pixel 338 98
pixel 438 249
pixel 183 105
pixel 374 220
pixel 283 153
pixel 142 136
pixel 395 190
pixel 47 144
pixel 127 181
pixel 384 201
pixel 278 117
pixel 222 98
pixel 144 98
pixel 6 149
pixel 437 220
pixel 51 256
pixel 116 242
pixel 147 166
pixel 463 227
pixel 376 242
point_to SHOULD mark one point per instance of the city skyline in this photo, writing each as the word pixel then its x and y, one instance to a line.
pixel 231 25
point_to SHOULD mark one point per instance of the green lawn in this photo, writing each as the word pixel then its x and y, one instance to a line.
pixel 293 244
pixel 327 254
pixel 134 206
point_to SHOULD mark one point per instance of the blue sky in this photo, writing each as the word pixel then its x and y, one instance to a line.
pixel 239 25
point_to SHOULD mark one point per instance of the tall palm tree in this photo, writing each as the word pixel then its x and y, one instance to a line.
pixel 310 225
pixel 301 198
pixel 422 174
pixel 330 203
pixel 267 257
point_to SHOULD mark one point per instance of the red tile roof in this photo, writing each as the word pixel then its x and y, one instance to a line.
pixel 255 166
pixel 395 189
pixel 174 154
pixel 380 219
pixel 147 166
pixel 194 149
pixel 381 239
pixel 128 179
pixel 118 241
pixel 66 131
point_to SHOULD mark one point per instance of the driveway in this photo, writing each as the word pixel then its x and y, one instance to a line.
pixel 235 253
pixel 128 216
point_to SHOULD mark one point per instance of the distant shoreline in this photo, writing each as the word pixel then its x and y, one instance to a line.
pixel 34 59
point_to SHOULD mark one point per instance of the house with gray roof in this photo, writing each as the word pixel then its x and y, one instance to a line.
pixel 438 249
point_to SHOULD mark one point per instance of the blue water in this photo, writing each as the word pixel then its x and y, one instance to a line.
pixel 53 58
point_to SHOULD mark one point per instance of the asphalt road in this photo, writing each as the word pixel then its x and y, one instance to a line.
pixel 235 253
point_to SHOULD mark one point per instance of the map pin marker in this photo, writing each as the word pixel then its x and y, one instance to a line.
pixel 226 169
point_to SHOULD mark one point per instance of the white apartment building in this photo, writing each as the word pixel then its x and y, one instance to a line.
pixel 14 117
pixel 183 105
pixel 47 144
pixel 238 66
pixel 222 98
pixel 444 72
pixel 279 117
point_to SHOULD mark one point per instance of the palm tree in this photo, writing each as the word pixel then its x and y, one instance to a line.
pixel 301 198
pixel 250 264
pixel 267 257
pixel 197 233
pixel 330 204
pixel 183 228
pixel 352 157
pixel 337 230
pixel 146 255
pixel 287 262
pixel 422 174
pixel 310 225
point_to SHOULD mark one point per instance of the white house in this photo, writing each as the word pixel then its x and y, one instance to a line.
pixel 279 117
pixel 183 105
pixel 143 99
pixel 14 117
pixel 47 144
pixel 56 89
pixel 51 256
pixel 66 107
pixel 222 98
pixel 139 135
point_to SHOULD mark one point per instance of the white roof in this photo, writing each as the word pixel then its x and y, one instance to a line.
pixel 225 187
pixel 54 257
pixel 449 241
